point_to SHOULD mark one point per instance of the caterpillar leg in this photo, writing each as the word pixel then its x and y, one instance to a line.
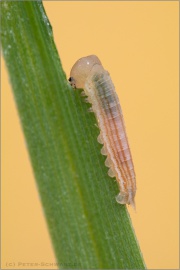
pixel 83 94
pixel 123 198
pixel 90 110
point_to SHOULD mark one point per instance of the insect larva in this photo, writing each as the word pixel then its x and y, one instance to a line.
pixel 89 74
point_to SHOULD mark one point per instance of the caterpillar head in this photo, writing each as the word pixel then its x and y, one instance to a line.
pixel 81 70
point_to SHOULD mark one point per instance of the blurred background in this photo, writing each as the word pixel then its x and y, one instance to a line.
pixel 137 42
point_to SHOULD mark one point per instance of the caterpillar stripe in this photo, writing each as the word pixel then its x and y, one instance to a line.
pixel 89 74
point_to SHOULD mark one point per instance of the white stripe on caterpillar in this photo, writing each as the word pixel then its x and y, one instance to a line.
pixel 89 74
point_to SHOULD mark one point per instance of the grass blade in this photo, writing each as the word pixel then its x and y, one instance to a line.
pixel 88 228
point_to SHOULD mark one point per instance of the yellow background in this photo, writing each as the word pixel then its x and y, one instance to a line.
pixel 137 43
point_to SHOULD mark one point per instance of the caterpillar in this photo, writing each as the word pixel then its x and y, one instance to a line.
pixel 88 74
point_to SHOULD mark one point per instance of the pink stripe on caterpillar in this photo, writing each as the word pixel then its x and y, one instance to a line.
pixel 89 74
